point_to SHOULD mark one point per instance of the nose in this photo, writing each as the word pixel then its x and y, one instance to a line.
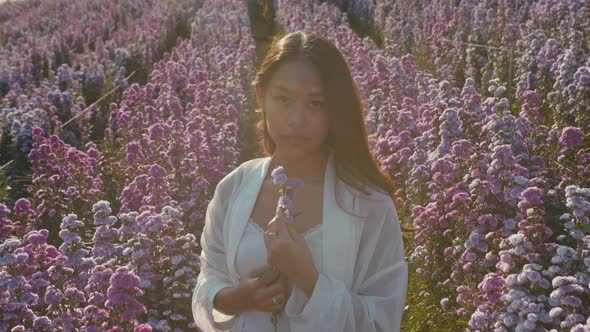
pixel 296 115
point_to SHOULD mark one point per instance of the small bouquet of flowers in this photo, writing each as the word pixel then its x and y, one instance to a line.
pixel 286 187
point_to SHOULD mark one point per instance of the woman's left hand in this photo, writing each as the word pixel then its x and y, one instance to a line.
pixel 289 254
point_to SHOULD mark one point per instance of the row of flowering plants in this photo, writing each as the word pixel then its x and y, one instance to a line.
pixel 539 45
pixel 180 132
pixel 38 41
pixel 498 188
pixel 14 9
pixel 92 282
pixel 35 44
pixel 109 239
pixel 61 97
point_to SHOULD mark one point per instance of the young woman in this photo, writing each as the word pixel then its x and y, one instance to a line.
pixel 340 265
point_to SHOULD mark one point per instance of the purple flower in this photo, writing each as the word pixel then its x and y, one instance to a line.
pixel 124 279
pixel 490 282
pixel 168 240
pixel 293 183
pixel 68 236
pixel 102 206
pixel 37 237
pixel 42 324
pixel 571 301
pixel 278 176
pixel 530 197
pixel 285 202
pixel 157 171
pixel 143 328
pixel 286 186
pixel 478 320
pixel 22 206
pixel 71 221
pixel 16 283
pixel 74 293
pixel 571 137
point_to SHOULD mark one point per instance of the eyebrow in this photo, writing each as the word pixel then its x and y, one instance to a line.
pixel 285 89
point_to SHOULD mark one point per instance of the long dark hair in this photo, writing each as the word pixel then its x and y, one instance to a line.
pixel 354 163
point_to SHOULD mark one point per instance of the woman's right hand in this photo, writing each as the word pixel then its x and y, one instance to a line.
pixel 263 285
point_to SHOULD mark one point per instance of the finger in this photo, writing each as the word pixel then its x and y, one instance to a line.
pixel 265 277
pixel 281 215
pixel 294 233
pixel 274 290
pixel 280 222
pixel 272 225
pixel 272 307
pixel 256 272
pixel 283 231
pixel 271 275
pixel 270 241
pixel 261 272
pixel 267 241
pixel 277 307
pixel 268 278
pixel 273 279
pixel 288 216
pixel 278 289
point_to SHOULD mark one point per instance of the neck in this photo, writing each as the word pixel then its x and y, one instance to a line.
pixel 310 168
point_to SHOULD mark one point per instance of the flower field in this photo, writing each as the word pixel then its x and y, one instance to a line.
pixel 119 119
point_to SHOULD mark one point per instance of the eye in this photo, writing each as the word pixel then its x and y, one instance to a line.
pixel 280 99
pixel 317 103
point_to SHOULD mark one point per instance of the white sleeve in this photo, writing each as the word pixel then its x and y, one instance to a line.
pixel 213 275
pixel 381 272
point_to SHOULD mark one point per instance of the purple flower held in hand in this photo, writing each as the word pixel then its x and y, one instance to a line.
pixel 286 187
pixel 278 176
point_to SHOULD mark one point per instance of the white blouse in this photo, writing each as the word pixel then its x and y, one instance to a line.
pixel 363 279
pixel 251 255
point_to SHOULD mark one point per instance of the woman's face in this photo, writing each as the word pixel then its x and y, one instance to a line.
pixel 296 109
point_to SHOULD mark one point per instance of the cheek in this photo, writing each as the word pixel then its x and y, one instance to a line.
pixel 321 126
pixel 273 124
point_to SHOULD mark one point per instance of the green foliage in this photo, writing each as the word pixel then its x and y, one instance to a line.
pixel 112 174
pixel 426 313
pixel 4 187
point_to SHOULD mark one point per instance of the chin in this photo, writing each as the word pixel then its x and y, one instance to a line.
pixel 290 150
pixel 294 152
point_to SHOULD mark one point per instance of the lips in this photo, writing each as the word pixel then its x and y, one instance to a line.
pixel 295 139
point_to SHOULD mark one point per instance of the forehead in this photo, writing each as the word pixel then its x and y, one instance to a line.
pixel 297 76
